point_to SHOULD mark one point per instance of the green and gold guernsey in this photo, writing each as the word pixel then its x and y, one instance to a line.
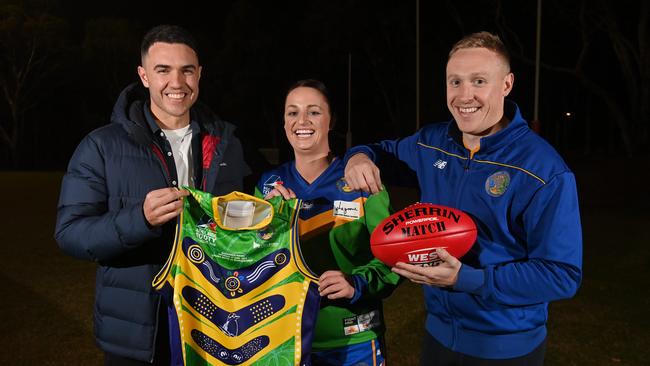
pixel 335 224
pixel 237 289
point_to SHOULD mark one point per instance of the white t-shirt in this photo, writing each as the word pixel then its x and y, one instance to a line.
pixel 181 141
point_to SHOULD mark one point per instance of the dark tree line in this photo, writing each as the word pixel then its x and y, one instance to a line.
pixel 605 48
pixel 61 67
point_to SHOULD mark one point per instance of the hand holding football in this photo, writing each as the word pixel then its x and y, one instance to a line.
pixel 412 234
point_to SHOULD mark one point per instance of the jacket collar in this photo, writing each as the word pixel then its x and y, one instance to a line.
pixel 132 109
pixel 516 128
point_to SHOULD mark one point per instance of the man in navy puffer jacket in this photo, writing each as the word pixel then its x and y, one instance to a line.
pixel 120 195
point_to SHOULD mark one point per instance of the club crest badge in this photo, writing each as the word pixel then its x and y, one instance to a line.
pixel 497 183
pixel 343 186
pixel 265 233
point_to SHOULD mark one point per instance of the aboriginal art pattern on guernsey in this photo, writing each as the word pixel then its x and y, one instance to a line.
pixel 238 295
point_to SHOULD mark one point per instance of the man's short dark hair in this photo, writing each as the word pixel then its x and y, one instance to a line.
pixel 168 33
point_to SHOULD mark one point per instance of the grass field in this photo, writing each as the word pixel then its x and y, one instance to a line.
pixel 47 303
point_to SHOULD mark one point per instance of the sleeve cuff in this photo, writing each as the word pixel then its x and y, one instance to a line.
pixel 470 280
pixel 359 150
pixel 138 228
pixel 360 287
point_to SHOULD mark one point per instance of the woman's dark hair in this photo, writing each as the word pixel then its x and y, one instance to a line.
pixel 320 86
pixel 167 33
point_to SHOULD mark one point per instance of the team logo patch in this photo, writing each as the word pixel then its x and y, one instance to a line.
pixel 497 184
pixel 307 205
pixel 265 233
pixel 343 186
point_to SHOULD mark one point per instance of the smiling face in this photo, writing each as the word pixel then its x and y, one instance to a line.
pixel 171 71
pixel 478 80
pixel 307 121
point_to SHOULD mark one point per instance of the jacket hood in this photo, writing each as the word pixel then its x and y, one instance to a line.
pixel 128 108
pixel 129 111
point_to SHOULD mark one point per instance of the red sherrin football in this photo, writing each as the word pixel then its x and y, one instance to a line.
pixel 412 234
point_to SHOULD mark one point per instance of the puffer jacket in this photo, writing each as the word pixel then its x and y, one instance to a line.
pixel 100 216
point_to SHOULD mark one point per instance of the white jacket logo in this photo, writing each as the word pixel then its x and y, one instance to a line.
pixel 440 164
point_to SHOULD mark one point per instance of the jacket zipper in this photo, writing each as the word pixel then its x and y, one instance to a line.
pixel 461 185
pixel 155 331
pixel 159 153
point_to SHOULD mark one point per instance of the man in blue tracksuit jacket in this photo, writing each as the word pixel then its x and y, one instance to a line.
pixel 490 308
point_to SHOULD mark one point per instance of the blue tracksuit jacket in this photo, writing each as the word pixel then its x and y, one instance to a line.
pixel 523 199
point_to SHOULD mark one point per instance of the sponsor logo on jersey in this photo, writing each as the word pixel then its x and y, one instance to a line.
pixel 307 205
pixel 361 322
pixel 497 184
pixel 207 223
pixel 343 186
pixel 206 230
pixel 348 210
pixel 270 183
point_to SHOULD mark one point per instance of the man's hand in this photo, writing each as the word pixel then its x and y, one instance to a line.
pixel 443 275
pixel 362 174
pixel 162 205
pixel 335 285
pixel 281 190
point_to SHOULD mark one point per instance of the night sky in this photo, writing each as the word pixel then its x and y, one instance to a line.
pixel 252 50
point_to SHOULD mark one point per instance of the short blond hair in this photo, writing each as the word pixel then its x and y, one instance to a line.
pixel 483 39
